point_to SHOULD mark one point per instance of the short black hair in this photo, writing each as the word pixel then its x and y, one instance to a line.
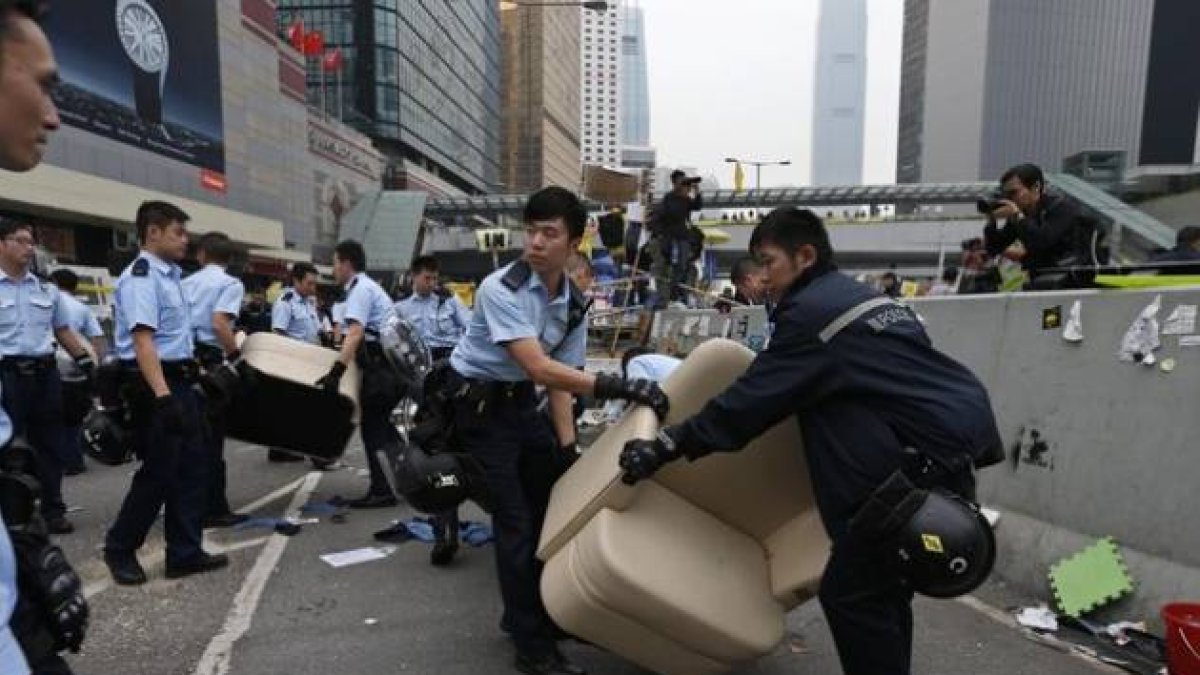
pixel 65 279
pixel 10 226
pixel 217 247
pixel 157 214
pixel 303 269
pixel 1028 174
pixel 631 354
pixel 352 252
pixel 676 175
pixel 789 228
pixel 742 268
pixel 425 263
pixel 554 202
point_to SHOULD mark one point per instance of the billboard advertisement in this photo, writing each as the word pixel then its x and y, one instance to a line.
pixel 143 72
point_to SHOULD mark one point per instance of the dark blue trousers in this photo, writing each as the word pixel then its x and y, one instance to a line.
pixel 33 400
pixel 174 473
pixel 507 434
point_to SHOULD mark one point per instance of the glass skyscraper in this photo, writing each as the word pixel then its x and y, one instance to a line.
pixel 635 87
pixel 421 77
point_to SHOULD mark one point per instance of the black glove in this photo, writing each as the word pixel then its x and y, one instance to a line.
pixel 640 458
pixel 66 608
pixel 333 378
pixel 175 420
pixel 645 392
pixel 87 364
pixel 221 384
pixel 567 456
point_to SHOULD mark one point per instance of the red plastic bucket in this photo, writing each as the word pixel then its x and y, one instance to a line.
pixel 1182 621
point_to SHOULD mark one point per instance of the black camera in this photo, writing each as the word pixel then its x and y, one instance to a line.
pixel 985 204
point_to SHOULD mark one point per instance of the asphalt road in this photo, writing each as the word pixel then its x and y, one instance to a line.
pixel 279 609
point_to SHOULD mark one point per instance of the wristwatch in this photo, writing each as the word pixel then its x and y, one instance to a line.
pixel 144 37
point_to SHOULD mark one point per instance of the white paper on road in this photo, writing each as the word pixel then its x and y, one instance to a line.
pixel 1040 618
pixel 356 556
pixel 1182 321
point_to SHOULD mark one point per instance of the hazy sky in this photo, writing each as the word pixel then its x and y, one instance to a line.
pixel 736 79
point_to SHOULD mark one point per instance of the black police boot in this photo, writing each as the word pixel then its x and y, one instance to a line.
pixel 59 525
pixel 372 500
pixel 205 562
pixel 446 546
pixel 551 662
pixel 125 569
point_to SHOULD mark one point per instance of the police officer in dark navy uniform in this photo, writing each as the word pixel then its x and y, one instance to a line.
pixel 153 336
pixel 368 310
pixel 214 299
pixel 528 329
pixel 872 396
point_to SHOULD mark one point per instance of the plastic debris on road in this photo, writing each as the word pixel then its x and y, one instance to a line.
pixel 357 556
pixel 1039 618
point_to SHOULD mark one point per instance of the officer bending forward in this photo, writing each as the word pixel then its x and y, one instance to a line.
pixel 866 385
pixel 528 329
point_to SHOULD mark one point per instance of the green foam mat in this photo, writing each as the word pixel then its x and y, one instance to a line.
pixel 1090 579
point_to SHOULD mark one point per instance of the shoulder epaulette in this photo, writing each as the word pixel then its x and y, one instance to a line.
pixel 517 275
pixel 286 297
pixel 141 267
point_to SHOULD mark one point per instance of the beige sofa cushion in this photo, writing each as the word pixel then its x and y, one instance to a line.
pixel 681 573
pixel 296 361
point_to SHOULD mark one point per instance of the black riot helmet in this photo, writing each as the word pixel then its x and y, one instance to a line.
pixel 105 440
pixel 434 483
pixel 946 548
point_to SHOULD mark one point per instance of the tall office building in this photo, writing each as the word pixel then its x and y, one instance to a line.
pixel 636 150
pixel 1170 134
pixel 837 155
pixel 603 84
pixel 421 78
pixel 986 84
pixel 541 97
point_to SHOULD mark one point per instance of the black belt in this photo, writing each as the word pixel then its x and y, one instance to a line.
pixel 184 369
pixel 28 365
pixel 492 390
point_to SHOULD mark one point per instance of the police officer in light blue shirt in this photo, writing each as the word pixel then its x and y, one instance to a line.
pixel 438 316
pixel 154 343
pixel 214 300
pixel 33 315
pixel 77 394
pixel 529 329
pixel 295 313
pixel 80 318
pixel 367 311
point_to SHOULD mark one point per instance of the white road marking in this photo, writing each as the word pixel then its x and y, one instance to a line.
pixel 154 553
pixel 217 656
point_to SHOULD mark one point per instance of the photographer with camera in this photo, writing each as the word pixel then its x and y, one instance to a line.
pixel 671 229
pixel 1055 232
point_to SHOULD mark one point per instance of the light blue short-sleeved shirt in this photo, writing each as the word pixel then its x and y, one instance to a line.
pixel 439 320
pixel 367 304
pixel 30 310
pixel 210 291
pixel 149 293
pixel 80 317
pixel 654 367
pixel 296 316
pixel 12 660
pixel 503 315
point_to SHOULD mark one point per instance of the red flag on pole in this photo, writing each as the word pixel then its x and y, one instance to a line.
pixel 314 43
pixel 332 61
pixel 295 35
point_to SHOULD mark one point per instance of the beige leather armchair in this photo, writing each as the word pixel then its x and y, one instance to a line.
pixel 691 572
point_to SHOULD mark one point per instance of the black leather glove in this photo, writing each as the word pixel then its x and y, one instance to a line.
pixel 640 458
pixel 66 608
pixel 645 392
pixel 221 384
pixel 333 378
pixel 87 364
pixel 567 456
pixel 174 419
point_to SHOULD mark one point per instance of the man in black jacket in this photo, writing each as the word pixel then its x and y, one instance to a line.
pixel 1054 230
pixel 866 385
pixel 671 229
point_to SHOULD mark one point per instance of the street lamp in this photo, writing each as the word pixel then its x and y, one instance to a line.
pixel 757 167
pixel 594 5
